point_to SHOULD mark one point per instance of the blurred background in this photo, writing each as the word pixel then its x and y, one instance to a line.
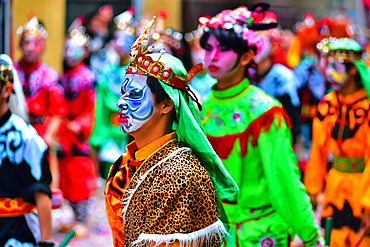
pixel 57 15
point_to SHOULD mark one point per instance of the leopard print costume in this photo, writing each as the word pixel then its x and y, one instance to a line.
pixel 176 197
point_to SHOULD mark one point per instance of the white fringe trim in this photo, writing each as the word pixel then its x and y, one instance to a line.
pixel 203 237
pixel 140 178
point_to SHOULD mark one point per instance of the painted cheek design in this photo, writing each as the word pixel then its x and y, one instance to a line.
pixel 336 74
pixel 136 104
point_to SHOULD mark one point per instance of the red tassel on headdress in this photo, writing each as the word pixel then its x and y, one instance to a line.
pixel 224 144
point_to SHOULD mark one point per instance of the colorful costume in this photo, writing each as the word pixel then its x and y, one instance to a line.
pixel 341 133
pixel 24 170
pixel 244 124
pixel 44 96
pixel 165 192
pixel 77 170
pixel 249 130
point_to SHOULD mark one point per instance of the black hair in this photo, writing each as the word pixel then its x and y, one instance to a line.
pixel 157 89
pixel 230 40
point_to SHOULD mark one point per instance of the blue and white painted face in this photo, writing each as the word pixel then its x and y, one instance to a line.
pixel 136 104
pixel 336 74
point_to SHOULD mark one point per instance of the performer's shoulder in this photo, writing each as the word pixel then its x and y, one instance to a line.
pixel 186 164
pixel 28 133
pixel 259 101
pixel 50 74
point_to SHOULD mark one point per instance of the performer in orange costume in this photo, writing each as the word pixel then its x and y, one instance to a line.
pixel 341 131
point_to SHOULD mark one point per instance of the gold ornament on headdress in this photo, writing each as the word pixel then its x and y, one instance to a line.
pixel 144 65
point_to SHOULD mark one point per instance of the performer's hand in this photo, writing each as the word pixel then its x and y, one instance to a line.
pixel 365 223
pixel 313 199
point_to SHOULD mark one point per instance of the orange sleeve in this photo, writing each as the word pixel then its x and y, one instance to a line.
pixel 314 176
pixel 365 180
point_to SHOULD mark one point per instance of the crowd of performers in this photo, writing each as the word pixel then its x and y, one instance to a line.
pixel 240 153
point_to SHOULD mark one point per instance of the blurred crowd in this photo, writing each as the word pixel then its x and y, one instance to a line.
pixel 75 111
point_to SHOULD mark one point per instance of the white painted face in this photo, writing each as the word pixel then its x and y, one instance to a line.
pixel 336 74
pixel 136 104
pixel 219 60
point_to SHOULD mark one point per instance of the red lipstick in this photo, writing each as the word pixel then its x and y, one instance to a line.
pixel 213 68
pixel 122 118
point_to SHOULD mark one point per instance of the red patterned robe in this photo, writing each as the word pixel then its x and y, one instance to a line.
pixel 44 96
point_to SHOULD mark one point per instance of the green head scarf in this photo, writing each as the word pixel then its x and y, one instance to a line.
pixel 349 50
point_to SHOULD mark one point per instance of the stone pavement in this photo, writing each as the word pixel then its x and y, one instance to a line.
pixel 99 231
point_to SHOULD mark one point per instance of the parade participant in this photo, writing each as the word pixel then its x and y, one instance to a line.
pixel 164 190
pixel 249 131
pixel 313 35
pixel 277 80
pixel 106 137
pixel 76 168
pixel 44 96
pixel 341 130
pixel 24 173
pixel 98 29
pixel 201 82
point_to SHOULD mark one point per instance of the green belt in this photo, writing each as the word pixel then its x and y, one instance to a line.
pixel 349 164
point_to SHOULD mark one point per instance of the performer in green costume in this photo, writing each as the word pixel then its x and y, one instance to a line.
pixel 250 132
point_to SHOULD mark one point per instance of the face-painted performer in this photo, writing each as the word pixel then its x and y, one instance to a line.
pixel 164 190
pixel 106 137
pixel 249 131
pixel 44 96
pixel 341 129
pixel 25 174
pixel 76 169
pixel 312 36
pixel 201 82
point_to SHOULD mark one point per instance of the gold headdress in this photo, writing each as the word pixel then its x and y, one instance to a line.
pixel 141 63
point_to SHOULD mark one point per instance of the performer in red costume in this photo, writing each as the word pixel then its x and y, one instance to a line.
pixel 77 170
pixel 44 96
